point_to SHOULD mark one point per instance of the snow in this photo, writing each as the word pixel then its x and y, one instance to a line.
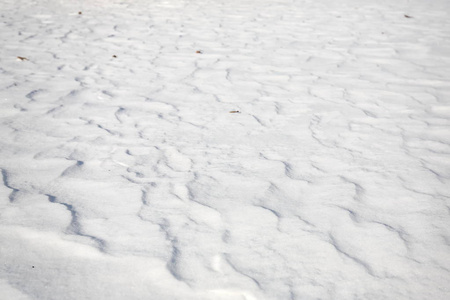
pixel 210 149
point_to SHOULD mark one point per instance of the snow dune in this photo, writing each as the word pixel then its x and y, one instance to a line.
pixel 218 149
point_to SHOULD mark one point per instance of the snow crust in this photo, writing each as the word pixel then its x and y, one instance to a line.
pixel 211 149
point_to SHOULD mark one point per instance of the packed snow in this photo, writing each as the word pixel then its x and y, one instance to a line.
pixel 213 149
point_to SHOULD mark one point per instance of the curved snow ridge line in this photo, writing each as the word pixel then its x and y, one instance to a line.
pixel 14 191
pixel 228 258
pixel 290 170
pixel 156 211
pixel 75 227
pixel 348 254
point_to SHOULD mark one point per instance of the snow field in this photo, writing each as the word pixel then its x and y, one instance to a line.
pixel 125 176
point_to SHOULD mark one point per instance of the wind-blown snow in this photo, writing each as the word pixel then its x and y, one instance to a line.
pixel 271 149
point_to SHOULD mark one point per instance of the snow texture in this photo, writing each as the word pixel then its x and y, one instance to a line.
pixel 212 149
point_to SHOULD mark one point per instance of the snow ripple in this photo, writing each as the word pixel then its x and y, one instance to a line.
pixel 224 150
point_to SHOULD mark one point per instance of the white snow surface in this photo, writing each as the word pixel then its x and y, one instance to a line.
pixel 128 174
